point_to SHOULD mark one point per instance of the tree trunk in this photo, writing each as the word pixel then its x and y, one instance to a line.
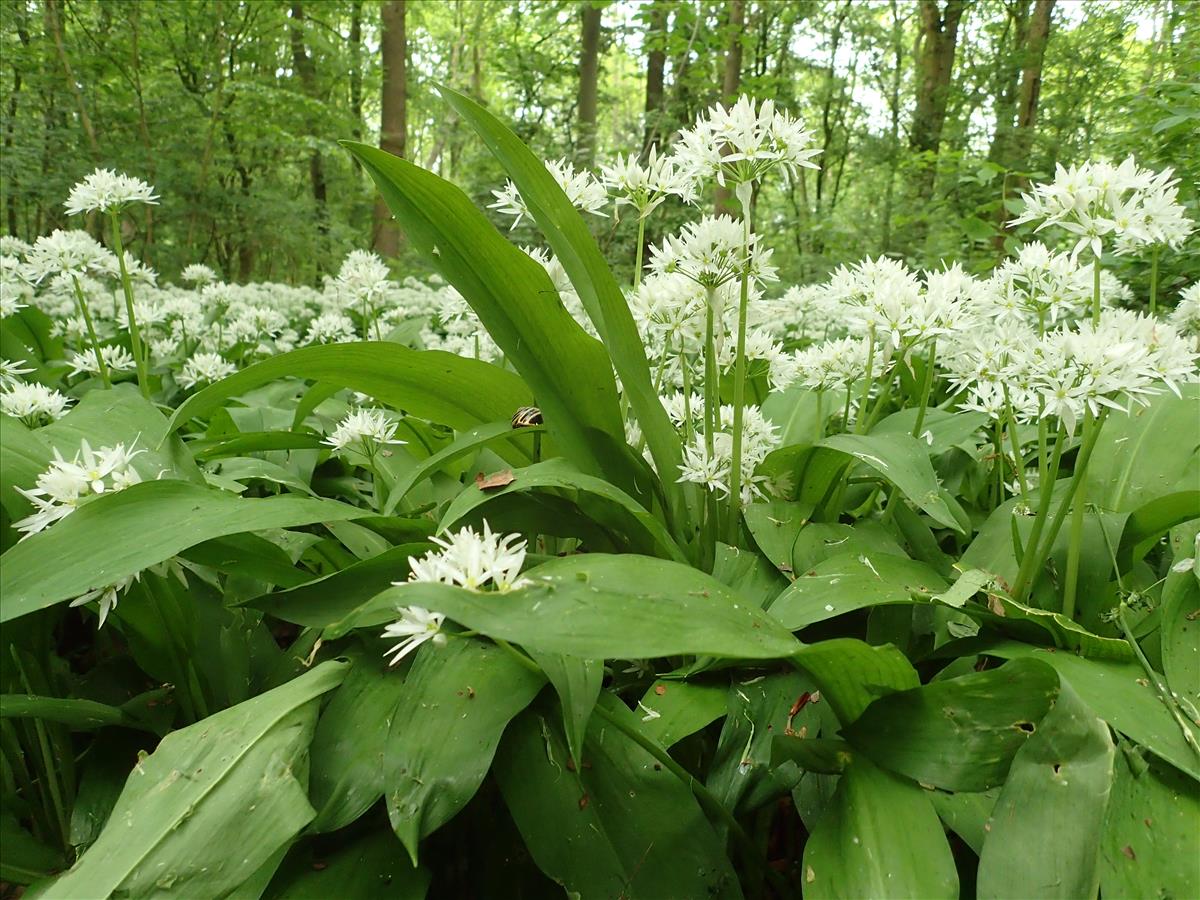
pixel 393 120
pixel 732 78
pixel 1019 144
pixel 54 24
pixel 935 64
pixel 589 82
pixel 894 130
pixel 307 70
pixel 656 63
pixel 356 92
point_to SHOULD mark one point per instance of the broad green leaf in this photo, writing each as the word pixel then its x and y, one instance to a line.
pixel 212 803
pixel 748 573
pixel 1149 843
pixel 598 606
pixel 852 674
pixel 849 581
pixel 122 416
pixel 827 756
pixel 758 708
pixel 248 555
pixel 24 455
pixel 1150 522
pixel 577 682
pixel 903 461
pixel 324 602
pixel 23 858
pixel 465 443
pixel 434 385
pixel 620 825
pixel 256 441
pixel 349 745
pixel 76 713
pixel 371 867
pixel 1180 637
pixel 455 704
pixel 880 838
pixel 566 368
pixel 576 250
pixel 1044 834
pixel 1120 694
pixel 671 710
pixel 1144 455
pixel 799 414
pixel 942 431
pixel 966 814
pixel 117 535
pixel 959 734
pixel 604 503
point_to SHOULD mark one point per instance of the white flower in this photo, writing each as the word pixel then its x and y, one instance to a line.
pixel 11 371
pixel 472 560
pixel 118 359
pixel 108 595
pixel 711 252
pixel 581 188
pixel 33 403
pixel 105 191
pixel 64 485
pixel 363 276
pixel 203 368
pixel 1097 199
pixel 74 253
pixel 415 626
pixel 743 143
pixel 700 468
pixel 11 245
pixel 330 328
pixel 645 187
pixel 366 427
pixel 1185 317
pixel 198 274
pixel 759 437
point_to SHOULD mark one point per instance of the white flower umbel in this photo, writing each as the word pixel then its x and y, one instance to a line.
pixel 108 596
pixel 644 187
pixel 32 403
pixel 363 282
pixel 117 359
pixel 11 372
pixel 581 188
pixel 65 485
pixel 743 143
pixel 415 626
pixel 204 368
pixel 365 430
pixel 330 328
pixel 468 559
pixel 712 252
pixel 68 252
pixel 198 274
pixel 108 191
pixel 1185 317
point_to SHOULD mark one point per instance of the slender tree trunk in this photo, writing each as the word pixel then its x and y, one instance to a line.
pixel 356 81
pixel 10 198
pixel 731 78
pixel 393 124
pixel 656 63
pixel 54 23
pixel 935 64
pixel 306 68
pixel 894 131
pixel 589 81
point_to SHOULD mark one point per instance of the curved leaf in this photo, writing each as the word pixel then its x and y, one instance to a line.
pixel 118 535
pixel 517 304
pixel 212 803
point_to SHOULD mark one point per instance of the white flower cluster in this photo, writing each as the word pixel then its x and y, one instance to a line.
pixel 32 403
pixel 65 485
pixel 117 359
pixel 581 188
pixel 743 142
pixel 363 277
pixel 712 470
pixel 467 559
pixel 106 191
pixel 204 368
pixel 1136 207
pixel 363 429
pixel 829 366
pixel 645 187
pixel 1185 318
pixel 712 252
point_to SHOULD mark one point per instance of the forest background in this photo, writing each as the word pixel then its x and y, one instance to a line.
pixel 932 116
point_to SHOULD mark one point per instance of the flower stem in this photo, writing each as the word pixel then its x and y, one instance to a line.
pixel 135 336
pixel 744 191
pixel 1096 293
pixel 1074 547
pixel 1029 560
pixel 637 262
pixel 711 400
pixel 859 419
pixel 91 329
pixel 926 387
pixel 1154 280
